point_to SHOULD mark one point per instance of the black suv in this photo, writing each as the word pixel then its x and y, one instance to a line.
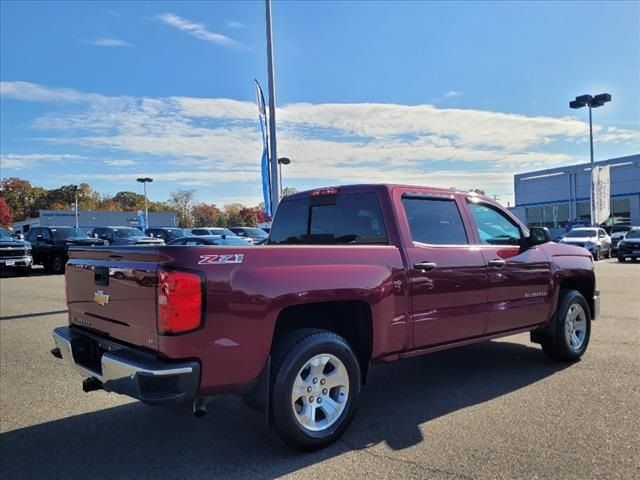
pixel 50 245
pixel 14 254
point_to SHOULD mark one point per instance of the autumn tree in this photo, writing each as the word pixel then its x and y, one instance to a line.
pixel 6 218
pixel 288 191
pixel 129 201
pixel 205 215
pixel 18 194
pixel 181 201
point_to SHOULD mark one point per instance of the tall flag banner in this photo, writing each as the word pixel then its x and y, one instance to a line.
pixel 601 185
pixel 266 180
pixel 142 221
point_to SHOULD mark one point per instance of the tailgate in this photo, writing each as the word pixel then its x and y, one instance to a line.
pixel 113 291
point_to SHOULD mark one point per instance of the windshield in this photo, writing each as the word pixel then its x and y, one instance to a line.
pixel 176 233
pixel 4 235
pixel 255 232
pixel 127 233
pixel 221 231
pixel 61 233
pixel 580 233
pixel 633 234
pixel 230 241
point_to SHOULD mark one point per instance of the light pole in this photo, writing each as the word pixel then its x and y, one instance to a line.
pixel 75 190
pixel 591 101
pixel 282 161
pixel 144 181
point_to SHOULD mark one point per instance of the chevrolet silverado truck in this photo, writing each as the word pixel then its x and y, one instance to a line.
pixel 50 245
pixel 14 254
pixel 351 276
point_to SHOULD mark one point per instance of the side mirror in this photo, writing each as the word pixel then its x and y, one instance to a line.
pixel 538 236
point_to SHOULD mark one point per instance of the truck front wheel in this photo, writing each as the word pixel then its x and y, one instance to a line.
pixel 572 328
pixel 315 388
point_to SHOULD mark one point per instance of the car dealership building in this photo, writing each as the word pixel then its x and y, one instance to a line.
pixel 558 197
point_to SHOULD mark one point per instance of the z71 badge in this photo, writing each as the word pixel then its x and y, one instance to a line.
pixel 220 259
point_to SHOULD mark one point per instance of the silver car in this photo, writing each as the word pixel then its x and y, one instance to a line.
pixel 596 240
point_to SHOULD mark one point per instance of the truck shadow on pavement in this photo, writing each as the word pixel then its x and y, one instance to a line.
pixel 134 441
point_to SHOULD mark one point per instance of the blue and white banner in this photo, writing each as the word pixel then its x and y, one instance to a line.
pixel 266 180
pixel 601 184
pixel 142 224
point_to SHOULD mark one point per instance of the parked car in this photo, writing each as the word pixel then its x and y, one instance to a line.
pixel 225 232
pixel 208 240
pixel 15 254
pixel 166 234
pixel 254 235
pixel 212 231
pixel 593 239
pixel 352 276
pixel 125 236
pixel 50 245
pixel 617 233
pixel 629 246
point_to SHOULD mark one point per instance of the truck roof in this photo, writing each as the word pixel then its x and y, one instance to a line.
pixel 375 187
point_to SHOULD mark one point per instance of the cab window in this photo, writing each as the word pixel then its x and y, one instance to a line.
pixel 494 227
pixel 433 220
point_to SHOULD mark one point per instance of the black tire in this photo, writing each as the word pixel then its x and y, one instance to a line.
pixel 558 346
pixel 596 254
pixel 289 356
pixel 621 259
pixel 57 264
pixel 24 272
pixel 608 253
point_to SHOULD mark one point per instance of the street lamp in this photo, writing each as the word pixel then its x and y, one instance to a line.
pixel 282 161
pixel 144 181
pixel 591 102
pixel 75 191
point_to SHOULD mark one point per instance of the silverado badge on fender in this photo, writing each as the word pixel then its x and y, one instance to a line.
pixel 101 298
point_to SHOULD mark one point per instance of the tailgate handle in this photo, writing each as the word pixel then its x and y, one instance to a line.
pixel 101 276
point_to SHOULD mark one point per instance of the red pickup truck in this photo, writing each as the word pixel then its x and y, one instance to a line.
pixel 351 276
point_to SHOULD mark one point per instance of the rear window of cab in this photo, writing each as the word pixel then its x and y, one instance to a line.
pixel 343 219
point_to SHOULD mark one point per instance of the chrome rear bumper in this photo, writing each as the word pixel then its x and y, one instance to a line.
pixel 126 370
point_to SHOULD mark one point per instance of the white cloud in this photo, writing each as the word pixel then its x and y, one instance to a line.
pixel 18 161
pixel 209 141
pixel 120 163
pixel 235 24
pixel 110 42
pixel 198 30
pixel 452 94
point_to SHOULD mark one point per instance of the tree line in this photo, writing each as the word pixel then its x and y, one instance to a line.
pixel 19 200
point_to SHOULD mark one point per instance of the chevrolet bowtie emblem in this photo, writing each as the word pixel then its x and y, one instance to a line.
pixel 101 298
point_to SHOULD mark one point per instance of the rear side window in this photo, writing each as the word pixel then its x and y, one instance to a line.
pixel 352 218
pixel 434 221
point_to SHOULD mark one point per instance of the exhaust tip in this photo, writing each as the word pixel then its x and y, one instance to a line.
pixel 200 407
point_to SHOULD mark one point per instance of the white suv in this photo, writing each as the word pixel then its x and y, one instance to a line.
pixel 596 240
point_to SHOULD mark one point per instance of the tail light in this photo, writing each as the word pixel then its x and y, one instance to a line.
pixel 180 302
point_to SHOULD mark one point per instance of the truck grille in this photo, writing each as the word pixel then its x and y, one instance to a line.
pixel 13 252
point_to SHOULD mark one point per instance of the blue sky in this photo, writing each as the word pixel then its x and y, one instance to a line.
pixel 458 94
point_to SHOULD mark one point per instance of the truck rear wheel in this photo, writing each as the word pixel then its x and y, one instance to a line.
pixel 572 328
pixel 316 384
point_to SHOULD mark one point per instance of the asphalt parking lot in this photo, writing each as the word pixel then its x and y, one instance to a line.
pixel 498 410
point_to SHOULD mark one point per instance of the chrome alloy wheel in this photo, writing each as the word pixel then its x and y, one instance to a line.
pixel 320 392
pixel 575 326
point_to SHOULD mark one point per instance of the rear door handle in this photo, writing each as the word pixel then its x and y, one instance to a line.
pixel 497 262
pixel 425 266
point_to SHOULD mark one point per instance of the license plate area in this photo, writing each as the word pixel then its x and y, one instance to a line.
pixel 87 353
pixel 10 263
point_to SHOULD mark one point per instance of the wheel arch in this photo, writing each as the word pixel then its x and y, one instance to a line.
pixel 351 319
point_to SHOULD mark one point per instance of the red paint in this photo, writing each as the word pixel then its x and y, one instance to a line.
pixel 461 301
